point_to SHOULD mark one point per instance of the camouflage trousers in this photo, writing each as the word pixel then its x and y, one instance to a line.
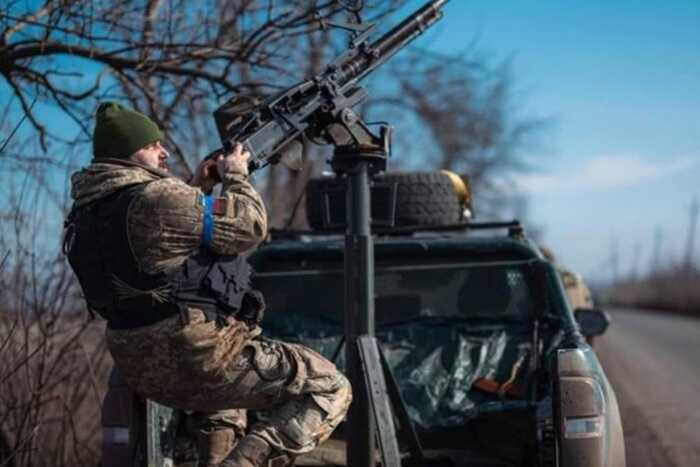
pixel 190 363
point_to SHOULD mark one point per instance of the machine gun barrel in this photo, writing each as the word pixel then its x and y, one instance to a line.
pixel 266 130
pixel 386 46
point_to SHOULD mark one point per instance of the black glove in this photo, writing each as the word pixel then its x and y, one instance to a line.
pixel 252 308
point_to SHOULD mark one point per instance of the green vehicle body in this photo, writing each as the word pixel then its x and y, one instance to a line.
pixel 458 315
pixel 310 267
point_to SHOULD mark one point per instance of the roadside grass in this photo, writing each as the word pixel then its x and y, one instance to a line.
pixel 674 290
pixel 53 374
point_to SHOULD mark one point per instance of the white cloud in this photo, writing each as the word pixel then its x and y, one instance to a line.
pixel 603 173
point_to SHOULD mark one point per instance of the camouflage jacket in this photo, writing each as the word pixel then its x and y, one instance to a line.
pixel 577 292
pixel 165 222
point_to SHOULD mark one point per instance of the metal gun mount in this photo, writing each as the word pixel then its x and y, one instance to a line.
pixel 320 109
pixel 358 155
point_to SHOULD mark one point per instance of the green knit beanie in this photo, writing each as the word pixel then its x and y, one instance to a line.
pixel 120 132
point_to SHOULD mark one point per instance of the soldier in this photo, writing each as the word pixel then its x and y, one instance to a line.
pixel 577 291
pixel 161 261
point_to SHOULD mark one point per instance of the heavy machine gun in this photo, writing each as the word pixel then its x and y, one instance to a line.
pixel 320 108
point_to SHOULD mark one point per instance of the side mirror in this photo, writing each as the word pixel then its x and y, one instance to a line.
pixel 593 321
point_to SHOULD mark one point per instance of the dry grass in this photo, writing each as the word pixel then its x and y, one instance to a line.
pixel 53 373
pixel 53 366
pixel 675 289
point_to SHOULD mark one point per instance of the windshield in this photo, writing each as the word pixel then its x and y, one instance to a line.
pixel 496 292
pixel 442 326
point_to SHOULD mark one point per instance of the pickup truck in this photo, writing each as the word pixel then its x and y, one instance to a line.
pixel 490 362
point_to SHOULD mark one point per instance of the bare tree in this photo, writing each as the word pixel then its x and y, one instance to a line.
pixel 462 107
pixel 469 122
pixel 171 59
pixel 53 362
pixel 175 61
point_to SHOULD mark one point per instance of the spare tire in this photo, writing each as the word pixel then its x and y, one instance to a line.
pixel 423 199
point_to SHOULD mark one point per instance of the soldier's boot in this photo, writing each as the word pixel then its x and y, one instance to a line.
pixel 251 451
pixel 214 444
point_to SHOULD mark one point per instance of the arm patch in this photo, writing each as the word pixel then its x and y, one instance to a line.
pixel 220 206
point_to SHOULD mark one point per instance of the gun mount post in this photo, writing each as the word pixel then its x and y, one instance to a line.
pixel 358 163
pixel 321 109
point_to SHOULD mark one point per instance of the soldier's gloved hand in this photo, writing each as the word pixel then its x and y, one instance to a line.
pixel 252 308
pixel 206 176
pixel 233 163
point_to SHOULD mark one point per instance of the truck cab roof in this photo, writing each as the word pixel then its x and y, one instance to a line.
pixel 459 245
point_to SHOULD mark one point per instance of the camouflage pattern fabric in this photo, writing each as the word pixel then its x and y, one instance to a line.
pixel 192 364
pixel 208 437
pixel 236 419
pixel 165 223
pixel 189 363
pixel 577 292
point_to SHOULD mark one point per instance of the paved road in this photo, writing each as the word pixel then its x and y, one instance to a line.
pixel 653 362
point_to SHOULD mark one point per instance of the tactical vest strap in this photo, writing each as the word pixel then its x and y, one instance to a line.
pixel 97 246
pixel 127 319
pixel 89 237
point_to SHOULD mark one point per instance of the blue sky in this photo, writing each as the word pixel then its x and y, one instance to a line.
pixel 620 81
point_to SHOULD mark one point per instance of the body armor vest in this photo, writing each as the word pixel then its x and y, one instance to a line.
pixel 97 245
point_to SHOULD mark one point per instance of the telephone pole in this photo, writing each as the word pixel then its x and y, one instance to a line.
pixel 614 259
pixel 656 252
pixel 690 246
pixel 634 270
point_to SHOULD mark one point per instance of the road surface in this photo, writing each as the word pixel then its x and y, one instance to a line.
pixel 653 362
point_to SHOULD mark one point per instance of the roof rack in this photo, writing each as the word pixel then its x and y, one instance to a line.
pixel 515 229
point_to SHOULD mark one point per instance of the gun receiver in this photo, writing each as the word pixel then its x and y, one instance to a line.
pixel 319 108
